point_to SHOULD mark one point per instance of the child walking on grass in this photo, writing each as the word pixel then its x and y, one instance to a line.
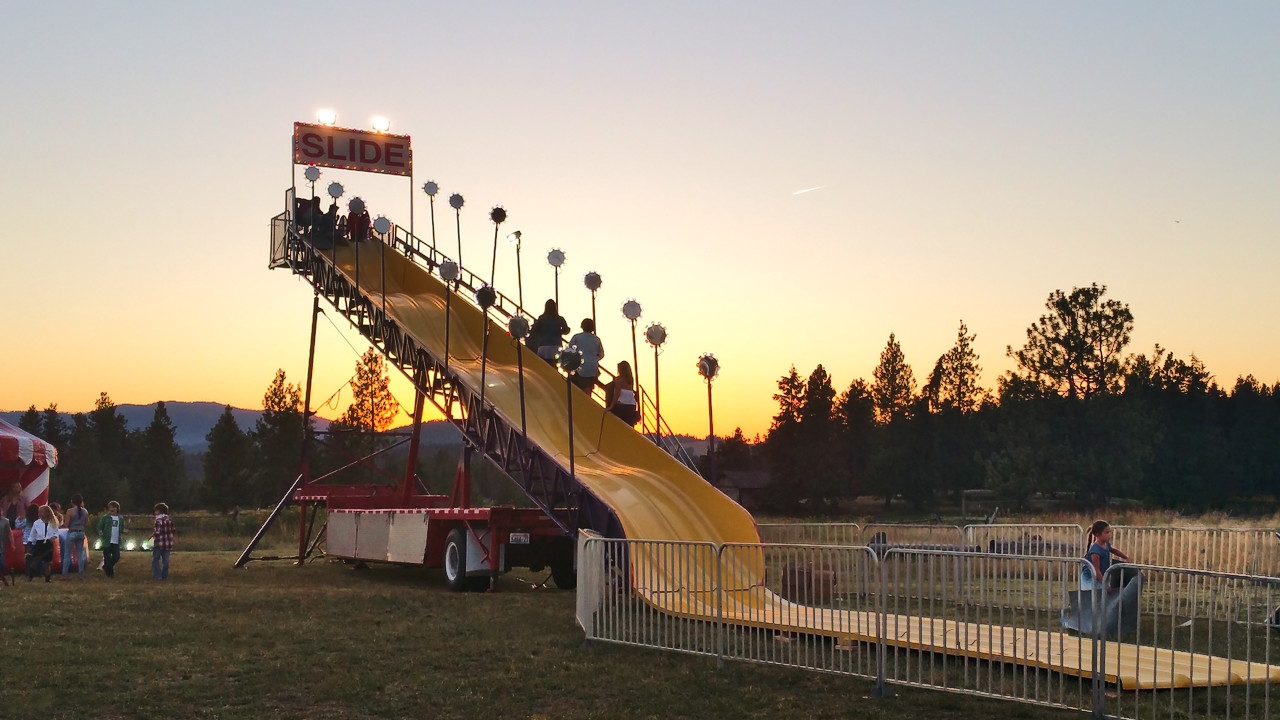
pixel 162 542
pixel 110 532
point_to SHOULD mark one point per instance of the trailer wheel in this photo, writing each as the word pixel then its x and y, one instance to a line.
pixel 455 559
pixel 562 570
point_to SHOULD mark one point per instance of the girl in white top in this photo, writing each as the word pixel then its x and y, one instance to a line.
pixel 43 531
pixel 621 395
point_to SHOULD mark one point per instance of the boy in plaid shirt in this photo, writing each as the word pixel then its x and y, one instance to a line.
pixel 162 542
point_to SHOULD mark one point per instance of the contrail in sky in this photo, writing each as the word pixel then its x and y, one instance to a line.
pixel 801 192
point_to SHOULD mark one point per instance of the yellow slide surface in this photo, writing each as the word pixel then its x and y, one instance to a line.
pixel 653 495
pixel 657 498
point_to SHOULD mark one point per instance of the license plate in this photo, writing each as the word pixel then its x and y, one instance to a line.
pixel 519 539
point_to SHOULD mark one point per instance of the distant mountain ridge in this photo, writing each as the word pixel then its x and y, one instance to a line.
pixel 194 420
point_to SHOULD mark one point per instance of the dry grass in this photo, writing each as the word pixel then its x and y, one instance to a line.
pixel 324 641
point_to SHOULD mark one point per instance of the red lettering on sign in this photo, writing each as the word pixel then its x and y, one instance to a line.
pixel 370 152
pixel 395 154
pixel 311 145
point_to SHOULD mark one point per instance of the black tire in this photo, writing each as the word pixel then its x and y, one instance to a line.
pixel 455 559
pixel 562 569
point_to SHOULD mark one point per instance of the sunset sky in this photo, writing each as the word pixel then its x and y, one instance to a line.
pixel 961 161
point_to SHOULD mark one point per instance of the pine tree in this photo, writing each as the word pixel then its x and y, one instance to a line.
pixel 30 421
pixel 278 437
pixel 372 406
pixel 159 475
pixel 1074 349
pixel 894 385
pixel 53 429
pixel 856 412
pixel 227 465
pixel 953 384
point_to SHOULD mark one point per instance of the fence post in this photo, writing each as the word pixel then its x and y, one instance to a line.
pixel 720 629
pixel 1098 600
pixel 882 689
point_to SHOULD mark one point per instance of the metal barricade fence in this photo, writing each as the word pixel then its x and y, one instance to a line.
pixel 1206 651
pixel 813 607
pixel 661 594
pixel 1048 539
pixel 942 537
pixel 810 533
pixel 1244 551
pixel 1198 644
pixel 937 629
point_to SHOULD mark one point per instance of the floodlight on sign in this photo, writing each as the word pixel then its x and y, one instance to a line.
pixel 380 124
pixel 327 117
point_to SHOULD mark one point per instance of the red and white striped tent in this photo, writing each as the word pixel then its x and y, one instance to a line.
pixel 26 458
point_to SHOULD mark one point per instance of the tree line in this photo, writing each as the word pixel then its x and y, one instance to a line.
pixel 1077 417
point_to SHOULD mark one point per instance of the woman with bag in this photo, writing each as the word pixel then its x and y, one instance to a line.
pixel 74 549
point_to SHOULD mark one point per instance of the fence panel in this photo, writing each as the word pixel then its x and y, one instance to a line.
pixel 882 536
pixel 998 632
pixel 652 593
pixel 1241 551
pixel 1047 539
pixel 1207 635
pixel 814 607
pixel 810 533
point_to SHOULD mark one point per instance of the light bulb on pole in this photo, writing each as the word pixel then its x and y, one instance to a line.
pixel 498 215
pixel 555 259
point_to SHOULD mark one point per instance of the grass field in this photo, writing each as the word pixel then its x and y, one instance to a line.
pixel 327 641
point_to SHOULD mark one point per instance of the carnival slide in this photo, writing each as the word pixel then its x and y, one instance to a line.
pixel 656 498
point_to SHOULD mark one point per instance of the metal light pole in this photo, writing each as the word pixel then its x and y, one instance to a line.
pixel 556 258
pixel 456 202
pixel 518 326
pixel 655 335
pixel 631 311
pixel 515 237
pixel 570 360
pixel 593 282
pixel 498 215
pixel 335 192
pixel 430 187
pixel 448 271
pixel 708 368
pixel 485 298
pixel 312 174
pixel 382 226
